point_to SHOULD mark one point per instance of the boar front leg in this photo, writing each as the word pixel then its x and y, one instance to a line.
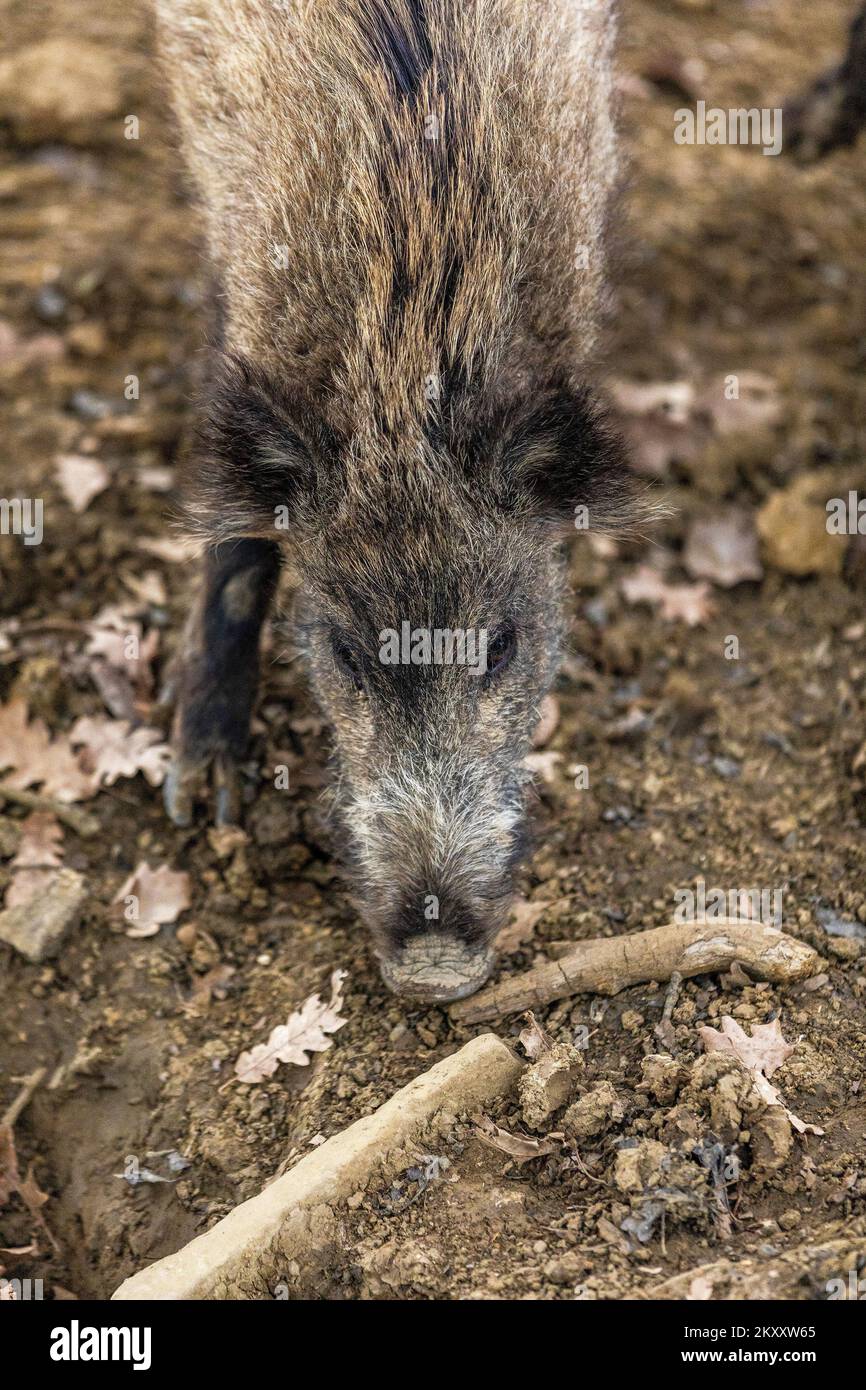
pixel 216 677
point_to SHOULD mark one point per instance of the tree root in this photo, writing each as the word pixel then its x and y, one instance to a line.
pixel 611 964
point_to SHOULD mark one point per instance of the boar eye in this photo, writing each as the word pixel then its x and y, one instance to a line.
pixel 348 661
pixel 500 650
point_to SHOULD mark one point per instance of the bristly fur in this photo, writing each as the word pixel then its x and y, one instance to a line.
pixel 405 204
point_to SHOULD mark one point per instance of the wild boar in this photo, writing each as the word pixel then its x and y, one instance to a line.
pixel 406 206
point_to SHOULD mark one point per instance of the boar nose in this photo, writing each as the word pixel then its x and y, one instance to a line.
pixel 434 968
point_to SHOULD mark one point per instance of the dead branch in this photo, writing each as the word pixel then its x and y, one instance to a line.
pixel 609 965
pixel 81 822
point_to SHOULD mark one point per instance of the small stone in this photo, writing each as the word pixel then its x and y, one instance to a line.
pixel 50 303
pixel 87 339
pixel 789 1220
pixel 38 928
pixel 844 948
pixel 632 1021
pixel 87 405
pixel 568 1268
pixel 225 839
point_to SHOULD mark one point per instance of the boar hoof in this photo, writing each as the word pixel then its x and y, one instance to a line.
pixel 186 779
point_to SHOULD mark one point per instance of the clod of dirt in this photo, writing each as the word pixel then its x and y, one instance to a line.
pixel 771 1141
pixel 817 1268
pixel 637 1168
pixel 401 1267
pixel 793 528
pixel 39 927
pixel 549 1083
pixel 61 90
pixel 661 1184
pixel 593 1113
pixel 662 1077
pixel 721 1085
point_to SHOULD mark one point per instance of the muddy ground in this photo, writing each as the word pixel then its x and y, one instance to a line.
pixel 743 772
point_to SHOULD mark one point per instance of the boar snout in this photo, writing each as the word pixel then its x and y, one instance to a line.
pixel 435 968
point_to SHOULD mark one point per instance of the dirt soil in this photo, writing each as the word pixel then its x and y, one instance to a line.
pixel 742 772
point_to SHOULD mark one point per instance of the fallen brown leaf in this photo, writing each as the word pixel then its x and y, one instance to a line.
pixel 28 756
pixel 521 925
pixel 159 896
pixel 305 1031
pixel 112 749
pixel 81 479
pixel 723 549
pixel 518 1146
pixel 687 603
pixel 761 1054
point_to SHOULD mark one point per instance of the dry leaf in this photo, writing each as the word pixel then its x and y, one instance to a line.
pixel 12 1183
pixel 544 764
pixel 519 929
pixel 761 1054
pixel 155 479
pixel 673 399
pixel 206 986
pixel 39 854
pixel 115 636
pixel 724 549
pixel 517 1146
pixel 81 479
pixel 533 1038
pixel 688 603
pixel 28 756
pixel 41 843
pixel 114 749
pixel 290 1042
pixel 17 353
pixel 658 423
pixel 161 895
pixel 756 405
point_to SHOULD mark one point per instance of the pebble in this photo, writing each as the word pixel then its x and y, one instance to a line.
pixel 37 929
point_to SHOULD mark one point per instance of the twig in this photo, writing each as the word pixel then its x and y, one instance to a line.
pixel 83 824
pixel 31 1083
pixel 609 965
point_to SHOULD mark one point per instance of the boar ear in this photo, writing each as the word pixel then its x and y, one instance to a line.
pixel 255 463
pixel 561 454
